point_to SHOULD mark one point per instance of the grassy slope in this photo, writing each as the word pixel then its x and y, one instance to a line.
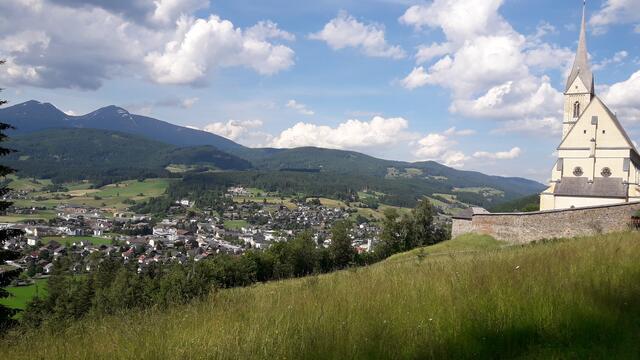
pixel 567 299
pixel 109 195
pixel 20 295
pixel 464 243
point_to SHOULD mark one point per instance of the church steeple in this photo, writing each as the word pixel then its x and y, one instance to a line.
pixel 581 66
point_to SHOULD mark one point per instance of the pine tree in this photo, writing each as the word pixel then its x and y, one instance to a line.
pixel 6 313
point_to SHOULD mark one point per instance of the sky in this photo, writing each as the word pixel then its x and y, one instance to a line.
pixel 473 84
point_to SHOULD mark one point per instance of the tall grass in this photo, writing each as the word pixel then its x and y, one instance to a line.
pixel 577 298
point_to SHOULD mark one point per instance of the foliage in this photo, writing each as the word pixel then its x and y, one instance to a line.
pixel 525 204
pixel 6 313
pixel 116 286
pixel 556 300
pixel 342 253
pixel 105 157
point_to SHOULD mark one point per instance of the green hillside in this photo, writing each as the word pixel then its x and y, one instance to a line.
pixel 79 154
pixel 565 299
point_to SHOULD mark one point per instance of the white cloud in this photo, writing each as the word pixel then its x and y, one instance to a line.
pixel 265 30
pixel 200 45
pixel 623 98
pixel 501 155
pixel 38 36
pixel 352 134
pixel 300 108
pixel 616 12
pixel 232 129
pixel 168 11
pixel 617 58
pixel 428 53
pixel 455 132
pixel 458 19
pixel 417 78
pixel 345 31
pixel 492 71
pixel 441 147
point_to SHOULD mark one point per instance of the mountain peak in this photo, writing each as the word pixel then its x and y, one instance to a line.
pixel 112 110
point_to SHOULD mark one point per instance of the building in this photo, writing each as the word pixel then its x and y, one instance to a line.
pixel 598 163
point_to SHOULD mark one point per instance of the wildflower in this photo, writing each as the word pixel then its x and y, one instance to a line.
pixel 518 267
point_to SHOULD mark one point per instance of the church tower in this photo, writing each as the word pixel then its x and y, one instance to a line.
pixel 598 163
pixel 580 86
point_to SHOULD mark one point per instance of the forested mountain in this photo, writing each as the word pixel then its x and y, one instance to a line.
pixel 34 116
pixel 110 143
pixel 76 154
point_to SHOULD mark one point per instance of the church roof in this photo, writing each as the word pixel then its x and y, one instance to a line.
pixel 599 187
pixel 581 67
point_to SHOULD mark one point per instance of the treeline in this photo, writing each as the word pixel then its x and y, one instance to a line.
pixel 397 192
pixel 104 157
pixel 115 287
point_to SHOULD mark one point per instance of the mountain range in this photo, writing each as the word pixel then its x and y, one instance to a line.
pixel 114 143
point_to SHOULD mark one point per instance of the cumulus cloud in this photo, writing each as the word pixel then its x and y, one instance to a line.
pixel 352 134
pixel 501 155
pixel 623 98
pixel 441 147
pixel 43 47
pixel 417 78
pixel 200 45
pixel 300 108
pixel 168 11
pixel 491 70
pixel 232 129
pixel 617 58
pixel 616 12
pixel 346 31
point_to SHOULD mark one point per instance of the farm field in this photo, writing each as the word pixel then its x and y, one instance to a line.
pixel 235 224
pixel 111 196
pixel 72 239
pixel 573 298
pixel 20 295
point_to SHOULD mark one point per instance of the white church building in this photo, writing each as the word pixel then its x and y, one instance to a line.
pixel 598 163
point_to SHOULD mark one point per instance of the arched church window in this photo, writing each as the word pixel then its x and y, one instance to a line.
pixel 606 172
pixel 577 171
pixel 576 109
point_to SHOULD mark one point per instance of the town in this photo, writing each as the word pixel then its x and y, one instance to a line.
pixel 80 232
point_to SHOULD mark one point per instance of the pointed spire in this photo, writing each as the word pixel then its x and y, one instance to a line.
pixel 581 66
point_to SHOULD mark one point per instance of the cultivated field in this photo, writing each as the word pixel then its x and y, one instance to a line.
pixel 573 298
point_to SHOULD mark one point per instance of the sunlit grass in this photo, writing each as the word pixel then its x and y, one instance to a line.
pixel 567 299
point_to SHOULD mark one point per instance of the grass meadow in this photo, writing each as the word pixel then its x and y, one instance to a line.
pixel 573 298
pixel 20 295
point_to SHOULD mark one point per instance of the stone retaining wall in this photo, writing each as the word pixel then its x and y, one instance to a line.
pixel 520 228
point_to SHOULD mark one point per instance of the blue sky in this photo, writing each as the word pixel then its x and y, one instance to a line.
pixel 474 84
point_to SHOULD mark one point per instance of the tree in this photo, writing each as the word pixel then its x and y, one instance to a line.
pixel 342 253
pixel 6 314
pixel 423 228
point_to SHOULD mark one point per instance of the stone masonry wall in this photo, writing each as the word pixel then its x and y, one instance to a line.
pixel 461 226
pixel 520 228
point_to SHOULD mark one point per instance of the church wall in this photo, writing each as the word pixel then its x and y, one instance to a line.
pixel 566 202
pixel 571 164
pixel 521 228
pixel 615 165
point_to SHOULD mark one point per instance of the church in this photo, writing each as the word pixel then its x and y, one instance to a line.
pixel 597 164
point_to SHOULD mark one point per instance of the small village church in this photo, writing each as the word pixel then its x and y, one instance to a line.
pixel 598 163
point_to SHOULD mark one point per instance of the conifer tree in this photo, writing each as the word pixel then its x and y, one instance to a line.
pixel 6 313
